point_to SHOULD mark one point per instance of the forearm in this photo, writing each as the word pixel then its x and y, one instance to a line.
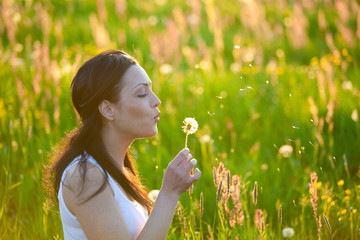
pixel 158 224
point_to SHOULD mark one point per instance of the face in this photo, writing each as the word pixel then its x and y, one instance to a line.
pixel 136 114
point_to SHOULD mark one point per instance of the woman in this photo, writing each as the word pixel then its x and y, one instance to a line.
pixel 99 192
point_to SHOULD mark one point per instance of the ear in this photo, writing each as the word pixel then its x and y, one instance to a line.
pixel 106 109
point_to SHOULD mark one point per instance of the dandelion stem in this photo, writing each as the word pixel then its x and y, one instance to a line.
pixel 186 138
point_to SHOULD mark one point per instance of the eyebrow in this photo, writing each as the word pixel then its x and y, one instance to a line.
pixel 145 84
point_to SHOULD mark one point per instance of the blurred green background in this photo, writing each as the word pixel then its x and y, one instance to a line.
pixel 274 86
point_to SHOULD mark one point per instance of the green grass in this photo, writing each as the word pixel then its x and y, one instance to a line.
pixel 248 101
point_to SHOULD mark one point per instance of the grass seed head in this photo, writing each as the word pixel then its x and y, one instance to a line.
pixel 255 193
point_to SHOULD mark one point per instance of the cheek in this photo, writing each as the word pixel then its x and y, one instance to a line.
pixel 136 111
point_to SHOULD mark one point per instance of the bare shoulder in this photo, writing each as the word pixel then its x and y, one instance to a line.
pixel 100 216
pixel 77 189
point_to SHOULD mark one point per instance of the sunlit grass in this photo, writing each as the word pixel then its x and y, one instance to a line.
pixel 274 88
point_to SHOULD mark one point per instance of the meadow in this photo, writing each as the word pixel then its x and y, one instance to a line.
pixel 274 86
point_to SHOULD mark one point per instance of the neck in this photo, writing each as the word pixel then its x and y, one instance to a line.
pixel 115 144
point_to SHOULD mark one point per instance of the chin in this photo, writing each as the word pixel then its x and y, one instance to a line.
pixel 150 134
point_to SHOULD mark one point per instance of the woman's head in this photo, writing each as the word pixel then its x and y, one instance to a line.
pixel 97 79
pixel 113 89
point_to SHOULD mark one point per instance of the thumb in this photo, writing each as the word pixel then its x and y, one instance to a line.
pixel 196 175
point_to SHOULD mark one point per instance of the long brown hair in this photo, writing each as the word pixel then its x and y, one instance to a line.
pixel 97 79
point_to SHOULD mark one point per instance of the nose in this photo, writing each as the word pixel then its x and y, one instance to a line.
pixel 156 101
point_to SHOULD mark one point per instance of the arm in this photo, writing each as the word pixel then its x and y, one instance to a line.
pixel 108 222
pixel 177 179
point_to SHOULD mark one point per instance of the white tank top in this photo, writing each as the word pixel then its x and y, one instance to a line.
pixel 134 214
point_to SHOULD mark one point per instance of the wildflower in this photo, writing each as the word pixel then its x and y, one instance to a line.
pixel 347 191
pixel 340 182
pixel 191 126
pixel 318 185
pixel 288 232
pixel 354 211
pixel 153 195
pixel 259 221
pixel 232 218
pixel 313 199
pixel 347 198
pixel 286 151
pixel 343 211
pixel 329 199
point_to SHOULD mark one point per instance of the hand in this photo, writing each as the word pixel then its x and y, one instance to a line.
pixel 177 178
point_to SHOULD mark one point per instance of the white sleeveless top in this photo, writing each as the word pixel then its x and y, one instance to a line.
pixel 133 213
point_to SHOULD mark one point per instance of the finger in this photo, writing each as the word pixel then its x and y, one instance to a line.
pixel 196 176
pixel 180 156
pixel 191 165
pixel 185 160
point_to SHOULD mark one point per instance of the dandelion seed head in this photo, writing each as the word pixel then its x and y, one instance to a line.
pixel 286 150
pixel 288 232
pixel 153 194
pixel 191 126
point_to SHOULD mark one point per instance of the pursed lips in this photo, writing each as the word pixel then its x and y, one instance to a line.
pixel 157 116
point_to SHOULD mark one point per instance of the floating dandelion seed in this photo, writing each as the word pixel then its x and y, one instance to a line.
pixel 295 127
pixel 237 46
pixel 248 87
pixel 267 82
pixel 211 114
pixel 219 97
pixel 250 65
pixel 190 127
